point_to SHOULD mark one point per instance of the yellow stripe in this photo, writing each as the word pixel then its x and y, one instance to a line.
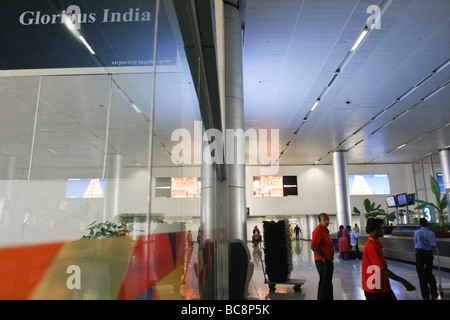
pixel 102 265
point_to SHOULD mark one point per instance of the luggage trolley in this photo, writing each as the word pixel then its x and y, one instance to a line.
pixel 441 289
pixel 296 282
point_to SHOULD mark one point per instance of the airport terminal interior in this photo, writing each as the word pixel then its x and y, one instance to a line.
pixel 142 142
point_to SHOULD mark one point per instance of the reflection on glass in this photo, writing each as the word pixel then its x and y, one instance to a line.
pixel 75 142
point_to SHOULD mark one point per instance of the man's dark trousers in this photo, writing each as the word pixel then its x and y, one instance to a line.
pixel 424 267
pixel 325 269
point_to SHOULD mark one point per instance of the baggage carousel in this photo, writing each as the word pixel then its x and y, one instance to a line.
pixel 400 246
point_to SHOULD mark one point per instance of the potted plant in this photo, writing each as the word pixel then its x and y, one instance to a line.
pixel 373 211
pixel 441 202
pixel 107 229
pixel 440 231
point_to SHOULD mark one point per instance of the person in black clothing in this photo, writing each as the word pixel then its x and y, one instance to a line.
pixel 297 232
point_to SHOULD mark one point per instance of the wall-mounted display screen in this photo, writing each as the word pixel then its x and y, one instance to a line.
pixel 275 186
pixel 440 181
pixel 178 187
pixel 390 202
pixel 85 188
pixel 411 199
pixel 402 199
pixel 369 184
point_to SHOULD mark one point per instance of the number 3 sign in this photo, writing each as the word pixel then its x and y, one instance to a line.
pixel 428 213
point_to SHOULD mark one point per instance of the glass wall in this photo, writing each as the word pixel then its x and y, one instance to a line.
pixel 93 204
pixel 425 168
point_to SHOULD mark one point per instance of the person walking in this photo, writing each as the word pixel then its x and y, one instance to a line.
pixel 323 248
pixel 375 274
pixel 297 232
pixel 424 245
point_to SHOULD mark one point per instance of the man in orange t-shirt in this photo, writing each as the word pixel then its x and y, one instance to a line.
pixel 374 272
pixel 323 249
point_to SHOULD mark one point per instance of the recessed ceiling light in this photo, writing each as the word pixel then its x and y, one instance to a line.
pixel 360 39
pixel 315 105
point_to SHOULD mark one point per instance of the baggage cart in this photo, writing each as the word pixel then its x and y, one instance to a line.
pixel 440 288
pixel 296 282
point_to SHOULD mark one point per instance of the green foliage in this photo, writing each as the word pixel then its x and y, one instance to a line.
pixel 373 211
pixel 107 229
pixel 437 227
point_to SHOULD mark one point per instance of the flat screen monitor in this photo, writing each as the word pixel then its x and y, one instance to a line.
pixel 402 199
pixel 275 186
pixel 390 202
pixel 178 187
pixel 369 184
pixel 411 199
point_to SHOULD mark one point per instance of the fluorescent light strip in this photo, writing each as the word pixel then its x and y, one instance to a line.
pixel 443 66
pixel 333 78
pixel 136 108
pixel 315 105
pixel 360 39
pixel 86 44
pixel 433 93
pixel 426 78
pixel 400 114
pixel 407 93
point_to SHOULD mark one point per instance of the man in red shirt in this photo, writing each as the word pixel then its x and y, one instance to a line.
pixel 375 274
pixel 323 249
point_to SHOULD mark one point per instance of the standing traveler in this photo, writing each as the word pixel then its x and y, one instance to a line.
pixel 323 249
pixel 353 240
pixel 344 244
pixel 375 273
pixel 425 244
pixel 297 232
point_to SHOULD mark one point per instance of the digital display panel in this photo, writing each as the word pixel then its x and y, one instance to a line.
pixel 178 187
pixel 369 184
pixel 411 199
pixel 87 188
pixel 390 202
pixel 402 199
pixel 275 186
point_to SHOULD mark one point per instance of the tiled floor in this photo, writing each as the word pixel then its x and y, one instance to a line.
pixel 346 278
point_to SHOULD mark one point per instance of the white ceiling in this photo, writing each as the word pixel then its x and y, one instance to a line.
pixel 291 50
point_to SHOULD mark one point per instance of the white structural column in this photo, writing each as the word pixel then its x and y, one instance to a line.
pixel 312 221
pixel 444 157
pixel 112 187
pixel 343 213
pixel 208 212
pixel 234 120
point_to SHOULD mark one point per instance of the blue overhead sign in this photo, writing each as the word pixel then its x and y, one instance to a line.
pixel 428 213
pixel 37 34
